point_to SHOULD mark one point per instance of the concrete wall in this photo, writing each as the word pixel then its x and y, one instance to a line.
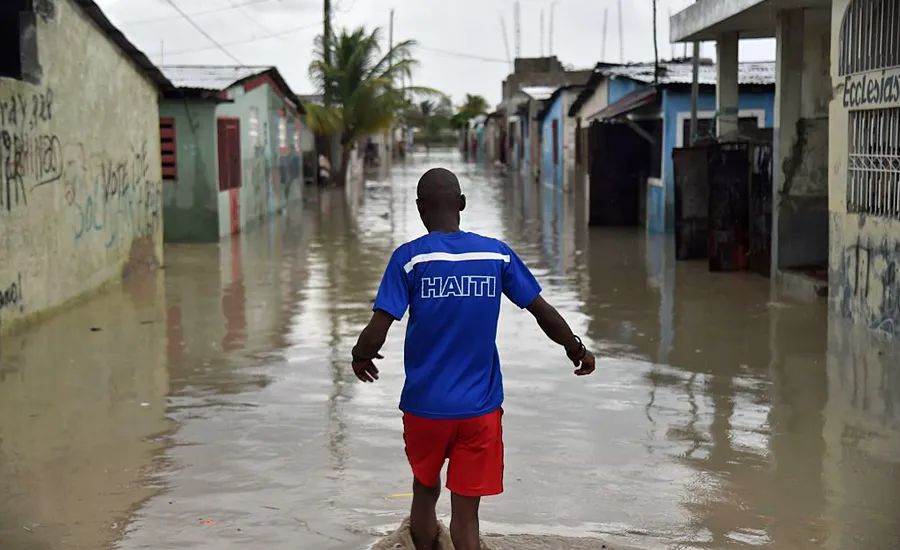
pixel 286 160
pixel 802 136
pixel 552 174
pixel 864 250
pixel 255 197
pixel 676 108
pixel 598 100
pixel 80 184
pixel 190 202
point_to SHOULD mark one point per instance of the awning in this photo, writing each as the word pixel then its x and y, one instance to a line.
pixel 630 103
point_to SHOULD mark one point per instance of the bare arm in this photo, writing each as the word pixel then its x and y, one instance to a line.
pixel 552 323
pixel 557 329
pixel 370 341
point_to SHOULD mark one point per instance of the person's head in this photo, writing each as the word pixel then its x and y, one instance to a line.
pixel 440 200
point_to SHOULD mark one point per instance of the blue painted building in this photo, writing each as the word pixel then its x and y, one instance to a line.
pixel 660 113
pixel 557 136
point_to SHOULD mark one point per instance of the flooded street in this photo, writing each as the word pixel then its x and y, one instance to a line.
pixel 211 405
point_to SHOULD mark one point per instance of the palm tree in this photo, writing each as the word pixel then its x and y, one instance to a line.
pixel 473 105
pixel 358 81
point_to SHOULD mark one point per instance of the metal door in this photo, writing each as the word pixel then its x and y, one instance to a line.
pixel 729 206
pixel 691 203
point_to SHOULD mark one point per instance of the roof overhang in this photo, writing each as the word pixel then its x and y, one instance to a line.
pixel 630 103
pixel 705 20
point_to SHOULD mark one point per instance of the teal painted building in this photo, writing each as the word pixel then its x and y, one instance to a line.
pixel 233 140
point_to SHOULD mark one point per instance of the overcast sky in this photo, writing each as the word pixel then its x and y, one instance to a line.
pixel 461 46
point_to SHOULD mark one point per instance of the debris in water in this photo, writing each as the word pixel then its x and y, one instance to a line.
pixel 208 522
pixel 96 329
pixel 398 495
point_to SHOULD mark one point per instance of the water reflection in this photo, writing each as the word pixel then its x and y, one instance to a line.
pixel 716 419
pixel 82 401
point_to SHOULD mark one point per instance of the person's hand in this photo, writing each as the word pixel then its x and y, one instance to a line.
pixel 365 369
pixel 586 364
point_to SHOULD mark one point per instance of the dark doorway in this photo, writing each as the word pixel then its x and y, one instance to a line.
pixel 620 160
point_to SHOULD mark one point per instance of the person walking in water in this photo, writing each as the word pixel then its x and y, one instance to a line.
pixel 451 282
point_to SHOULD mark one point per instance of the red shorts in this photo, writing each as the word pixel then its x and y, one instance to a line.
pixel 473 445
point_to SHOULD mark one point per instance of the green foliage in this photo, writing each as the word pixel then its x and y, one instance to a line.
pixel 474 105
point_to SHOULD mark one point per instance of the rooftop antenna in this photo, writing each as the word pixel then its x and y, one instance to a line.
pixel 603 46
pixel 517 22
pixel 621 36
pixel 542 32
pixel 506 42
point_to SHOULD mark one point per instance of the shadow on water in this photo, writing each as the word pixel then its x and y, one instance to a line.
pixel 215 408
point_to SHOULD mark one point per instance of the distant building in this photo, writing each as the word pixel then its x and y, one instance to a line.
pixel 558 132
pixel 233 141
pixel 80 170
pixel 640 122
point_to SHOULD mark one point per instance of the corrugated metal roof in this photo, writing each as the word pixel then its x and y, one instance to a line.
pixel 209 77
pixel 757 72
pixel 539 92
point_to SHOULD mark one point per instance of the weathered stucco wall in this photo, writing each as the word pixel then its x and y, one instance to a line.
pixel 864 274
pixel 804 90
pixel 598 100
pixel 79 170
pixel 252 109
pixel 190 201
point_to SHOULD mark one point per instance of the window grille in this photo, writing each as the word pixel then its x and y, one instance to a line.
pixel 873 169
pixel 168 148
pixel 870 36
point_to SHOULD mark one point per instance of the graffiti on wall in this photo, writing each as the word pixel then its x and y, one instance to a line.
pixel 46 9
pixel 109 194
pixel 12 296
pixel 30 155
pixel 120 199
pixel 873 277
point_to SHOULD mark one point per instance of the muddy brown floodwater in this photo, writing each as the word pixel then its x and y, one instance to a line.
pixel 210 406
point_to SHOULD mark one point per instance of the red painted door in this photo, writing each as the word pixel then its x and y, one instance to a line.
pixel 229 133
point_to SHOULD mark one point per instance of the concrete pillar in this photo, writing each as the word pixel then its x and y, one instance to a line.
pixel 727 83
pixel 788 105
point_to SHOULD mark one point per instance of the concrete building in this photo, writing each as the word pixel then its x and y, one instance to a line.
pixel 532 73
pixel 645 118
pixel 558 131
pixel 837 111
pixel 233 139
pixel 80 169
pixel 528 103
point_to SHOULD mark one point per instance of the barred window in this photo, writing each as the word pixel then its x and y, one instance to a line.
pixel 869 61
pixel 873 170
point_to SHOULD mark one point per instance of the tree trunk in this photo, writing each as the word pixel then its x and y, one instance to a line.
pixel 345 162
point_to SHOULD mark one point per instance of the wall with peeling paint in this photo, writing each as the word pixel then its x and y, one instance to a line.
pixel 864 271
pixel 804 89
pixel 80 169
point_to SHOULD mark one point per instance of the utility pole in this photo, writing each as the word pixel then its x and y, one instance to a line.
pixel 390 143
pixel 326 43
pixel 655 49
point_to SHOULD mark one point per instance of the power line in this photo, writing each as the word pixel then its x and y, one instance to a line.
pixel 245 42
pixel 203 32
pixel 198 13
pixel 463 55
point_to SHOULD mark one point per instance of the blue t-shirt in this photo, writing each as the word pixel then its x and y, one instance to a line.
pixel 451 283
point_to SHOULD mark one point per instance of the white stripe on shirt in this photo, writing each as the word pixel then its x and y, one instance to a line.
pixel 448 257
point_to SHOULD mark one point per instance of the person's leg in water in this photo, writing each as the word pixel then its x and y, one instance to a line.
pixel 423 523
pixel 476 470
pixel 464 526
pixel 427 441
